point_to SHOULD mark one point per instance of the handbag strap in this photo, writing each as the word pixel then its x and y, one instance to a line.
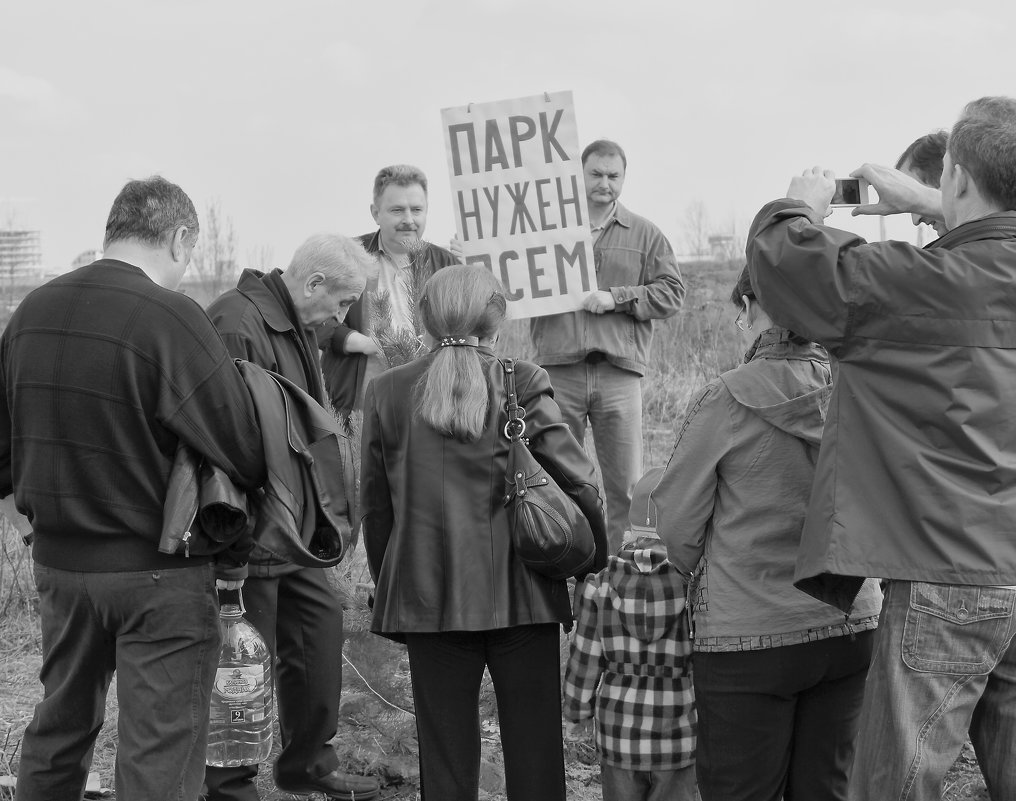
pixel 515 428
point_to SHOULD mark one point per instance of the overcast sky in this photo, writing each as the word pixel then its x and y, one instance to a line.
pixel 284 111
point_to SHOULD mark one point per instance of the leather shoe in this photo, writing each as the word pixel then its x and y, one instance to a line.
pixel 335 785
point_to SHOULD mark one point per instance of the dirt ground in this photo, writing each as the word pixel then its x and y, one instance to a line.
pixel 20 691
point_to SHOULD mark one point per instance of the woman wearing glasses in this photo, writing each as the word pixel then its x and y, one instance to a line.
pixel 778 676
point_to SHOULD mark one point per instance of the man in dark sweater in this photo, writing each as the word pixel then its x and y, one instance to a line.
pixel 270 319
pixel 103 372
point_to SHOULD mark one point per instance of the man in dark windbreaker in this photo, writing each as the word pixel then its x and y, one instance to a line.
pixel 916 477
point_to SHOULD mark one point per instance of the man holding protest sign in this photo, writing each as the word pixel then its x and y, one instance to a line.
pixel 591 275
pixel 596 356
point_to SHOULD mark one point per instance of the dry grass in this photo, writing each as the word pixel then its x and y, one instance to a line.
pixel 21 657
pixel 19 647
pixel 689 350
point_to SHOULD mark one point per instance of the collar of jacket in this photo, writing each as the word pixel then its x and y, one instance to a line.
pixel 252 285
pixel 622 215
pixel 1001 225
pixel 640 559
pixel 372 243
pixel 776 343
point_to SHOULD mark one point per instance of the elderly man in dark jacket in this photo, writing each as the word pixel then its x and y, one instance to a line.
pixel 270 319
pixel 916 476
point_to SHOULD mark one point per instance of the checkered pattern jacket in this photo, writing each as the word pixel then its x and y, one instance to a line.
pixel 630 663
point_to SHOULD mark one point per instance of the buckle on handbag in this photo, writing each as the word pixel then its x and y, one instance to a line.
pixel 515 429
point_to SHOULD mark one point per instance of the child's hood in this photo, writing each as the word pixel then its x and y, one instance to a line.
pixel 643 588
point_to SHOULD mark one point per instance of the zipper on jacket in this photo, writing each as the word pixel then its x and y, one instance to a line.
pixel 689 584
pixel 187 535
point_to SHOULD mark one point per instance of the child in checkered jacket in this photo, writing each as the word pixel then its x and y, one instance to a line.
pixel 630 666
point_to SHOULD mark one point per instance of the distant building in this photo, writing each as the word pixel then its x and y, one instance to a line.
pixel 86 257
pixel 20 256
pixel 721 247
pixel 204 281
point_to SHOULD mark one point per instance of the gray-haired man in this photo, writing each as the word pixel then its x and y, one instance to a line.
pixel 271 320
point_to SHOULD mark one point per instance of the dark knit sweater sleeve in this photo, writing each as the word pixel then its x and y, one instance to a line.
pixel 206 402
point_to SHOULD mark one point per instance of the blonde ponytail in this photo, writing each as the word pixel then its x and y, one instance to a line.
pixel 460 305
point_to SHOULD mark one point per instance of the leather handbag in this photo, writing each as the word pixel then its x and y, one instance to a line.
pixel 550 534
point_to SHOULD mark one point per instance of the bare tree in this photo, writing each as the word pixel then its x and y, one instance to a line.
pixel 734 242
pixel 696 228
pixel 215 255
pixel 261 258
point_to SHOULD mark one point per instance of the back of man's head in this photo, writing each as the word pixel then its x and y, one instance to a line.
pixel 983 142
pixel 151 211
pixel 604 147
pixel 342 261
pixel 400 175
pixel 923 158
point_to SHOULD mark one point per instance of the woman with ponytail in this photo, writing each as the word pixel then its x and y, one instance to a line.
pixel 448 583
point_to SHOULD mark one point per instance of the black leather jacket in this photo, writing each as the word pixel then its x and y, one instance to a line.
pixel 304 513
pixel 434 523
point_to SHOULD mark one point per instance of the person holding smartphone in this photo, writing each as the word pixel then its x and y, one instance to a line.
pixel 916 475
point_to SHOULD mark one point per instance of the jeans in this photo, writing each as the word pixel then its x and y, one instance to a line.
pixel 621 784
pixel 159 631
pixel 779 723
pixel 944 665
pixel 525 667
pixel 300 617
pixel 610 399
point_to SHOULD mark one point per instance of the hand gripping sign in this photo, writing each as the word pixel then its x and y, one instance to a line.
pixel 520 200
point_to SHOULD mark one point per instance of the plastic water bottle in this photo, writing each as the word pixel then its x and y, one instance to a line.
pixel 240 719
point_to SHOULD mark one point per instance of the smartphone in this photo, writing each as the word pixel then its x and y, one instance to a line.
pixel 850 192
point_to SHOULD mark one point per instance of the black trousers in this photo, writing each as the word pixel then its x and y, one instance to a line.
pixel 780 722
pixel 158 629
pixel 524 664
pixel 300 617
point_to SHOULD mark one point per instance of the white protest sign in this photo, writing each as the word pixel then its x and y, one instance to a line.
pixel 519 199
